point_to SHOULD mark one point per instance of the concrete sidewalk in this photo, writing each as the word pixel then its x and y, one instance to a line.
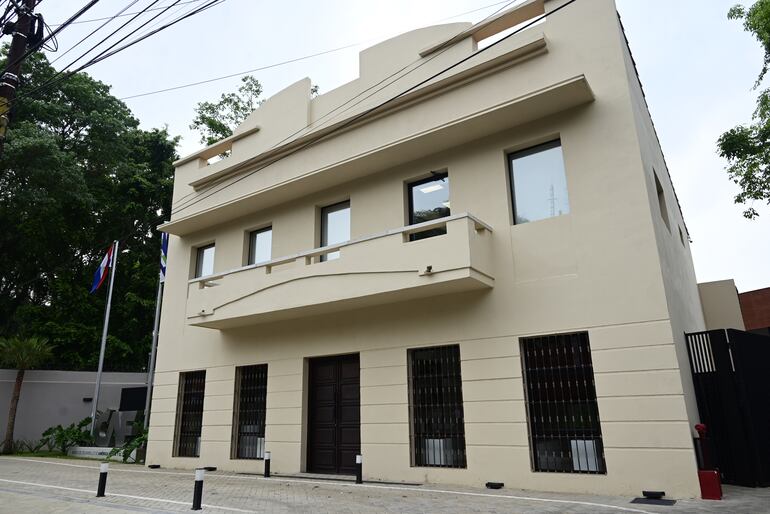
pixel 52 485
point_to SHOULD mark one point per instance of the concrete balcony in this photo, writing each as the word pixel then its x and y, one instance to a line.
pixel 372 270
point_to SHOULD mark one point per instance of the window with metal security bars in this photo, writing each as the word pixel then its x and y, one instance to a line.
pixel 436 407
pixel 564 430
pixel 189 414
pixel 249 412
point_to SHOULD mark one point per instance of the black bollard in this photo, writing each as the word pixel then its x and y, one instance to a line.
pixel 267 464
pixel 359 469
pixel 198 491
pixel 103 468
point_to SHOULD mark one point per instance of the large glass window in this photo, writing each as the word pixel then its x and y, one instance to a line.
pixel 429 200
pixel 539 183
pixel 189 413
pixel 204 261
pixel 260 245
pixel 335 227
pixel 249 412
pixel 564 430
pixel 436 407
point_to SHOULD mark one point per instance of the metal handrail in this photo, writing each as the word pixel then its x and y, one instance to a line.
pixel 308 255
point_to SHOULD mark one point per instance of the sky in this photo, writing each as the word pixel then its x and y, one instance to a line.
pixel 697 67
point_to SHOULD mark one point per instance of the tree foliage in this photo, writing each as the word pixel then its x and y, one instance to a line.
pixel 24 353
pixel 78 172
pixel 217 120
pixel 747 147
pixel 20 354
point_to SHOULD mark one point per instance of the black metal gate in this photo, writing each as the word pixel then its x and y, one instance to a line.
pixel 731 375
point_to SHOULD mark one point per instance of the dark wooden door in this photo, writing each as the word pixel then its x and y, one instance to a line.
pixel 334 414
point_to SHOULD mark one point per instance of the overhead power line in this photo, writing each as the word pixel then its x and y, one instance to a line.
pixel 141 38
pixel 241 73
pixel 377 87
pixel 288 61
pixel 52 34
pixel 59 77
pixel 63 71
pixel 377 107
pixel 22 45
pixel 6 16
pixel 93 20
pixel 97 29
pixel 160 219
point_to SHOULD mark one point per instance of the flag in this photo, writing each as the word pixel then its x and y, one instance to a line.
pixel 163 255
pixel 103 270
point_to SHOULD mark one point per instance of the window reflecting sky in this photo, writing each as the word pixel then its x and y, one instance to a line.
pixel 430 200
pixel 261 245
pixel 336 226
pixel 205 264
pixel 539 184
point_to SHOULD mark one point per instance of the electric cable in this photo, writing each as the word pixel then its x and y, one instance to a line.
pixel 97 29
pixel 288 61
pixel 314 123
pixel 53 34
pixel 373 109
pixel 365 113
pixel 59 76
pixel 92 20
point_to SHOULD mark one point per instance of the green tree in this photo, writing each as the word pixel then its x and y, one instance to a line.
pixel 747 147
pixel 20 354
pixel 217 120
pixel 78 172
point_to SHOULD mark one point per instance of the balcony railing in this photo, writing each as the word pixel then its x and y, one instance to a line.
pixel 375 269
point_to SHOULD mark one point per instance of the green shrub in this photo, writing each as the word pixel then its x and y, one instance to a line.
pixel 64 438
pixel 132 444
pixel 28 445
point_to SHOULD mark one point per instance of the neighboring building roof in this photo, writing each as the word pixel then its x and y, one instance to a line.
pixel 755 306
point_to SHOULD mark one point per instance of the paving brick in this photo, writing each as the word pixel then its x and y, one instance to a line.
pixel 58 485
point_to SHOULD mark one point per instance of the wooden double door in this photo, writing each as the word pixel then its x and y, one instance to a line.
pixel 334 414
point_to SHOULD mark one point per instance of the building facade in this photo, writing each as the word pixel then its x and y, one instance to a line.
pixel 721 305
pixel 724 307
pixel 464 265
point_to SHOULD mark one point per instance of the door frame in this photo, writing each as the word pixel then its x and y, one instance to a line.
pixel 306 407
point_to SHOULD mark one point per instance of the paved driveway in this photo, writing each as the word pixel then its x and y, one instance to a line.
pixel 52 485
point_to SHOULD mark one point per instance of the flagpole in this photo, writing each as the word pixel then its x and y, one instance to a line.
pixel 113 265
pixel 153 351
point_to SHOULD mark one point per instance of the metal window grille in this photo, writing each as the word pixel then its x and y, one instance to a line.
pixel 190 413
pixel 564 430
pixel 436 407
pixel 249 412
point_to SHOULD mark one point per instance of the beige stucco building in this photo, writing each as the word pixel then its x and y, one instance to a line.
pixel 721 305
pixel 466 266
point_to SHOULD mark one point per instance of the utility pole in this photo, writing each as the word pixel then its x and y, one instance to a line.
pixel 9 82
